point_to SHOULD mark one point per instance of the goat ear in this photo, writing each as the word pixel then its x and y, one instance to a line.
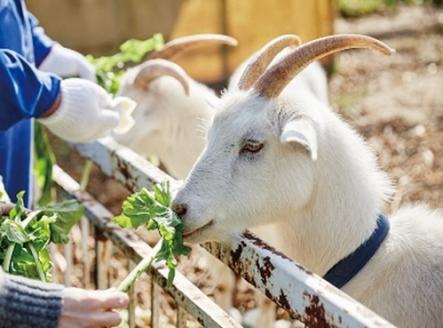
pixel 300 131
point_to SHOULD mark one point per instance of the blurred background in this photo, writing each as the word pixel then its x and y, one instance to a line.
pixel 395 102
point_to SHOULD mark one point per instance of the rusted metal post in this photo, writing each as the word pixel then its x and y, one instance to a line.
pixel 307 297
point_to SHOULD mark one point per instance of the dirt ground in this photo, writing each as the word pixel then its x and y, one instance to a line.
pixel 395 102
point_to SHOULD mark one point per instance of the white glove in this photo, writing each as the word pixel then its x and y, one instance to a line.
pixel 86 112
pixel 125 106
pixel 67 63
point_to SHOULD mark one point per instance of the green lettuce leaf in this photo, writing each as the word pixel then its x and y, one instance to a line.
pixel 153 210
pixel 67 214
pixel 13 231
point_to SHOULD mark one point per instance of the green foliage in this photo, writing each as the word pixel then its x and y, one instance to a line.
pixel 68 213
pixel 153 210
pixel 109 69
pixel 25 236
pixel 352 8
pixel 44 160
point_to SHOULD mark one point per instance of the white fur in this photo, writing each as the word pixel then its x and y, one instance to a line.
pixel 168 123
pixel 321 209
pixel 173 127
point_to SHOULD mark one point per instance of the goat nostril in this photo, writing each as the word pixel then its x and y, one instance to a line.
pixel 180 209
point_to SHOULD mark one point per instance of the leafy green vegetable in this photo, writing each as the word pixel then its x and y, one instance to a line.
pixel 68 214
pixel 25 236
pixel 109 69
pixel 153 210
pixel 13 232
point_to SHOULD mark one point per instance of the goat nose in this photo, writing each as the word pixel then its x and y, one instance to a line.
pixel 180 209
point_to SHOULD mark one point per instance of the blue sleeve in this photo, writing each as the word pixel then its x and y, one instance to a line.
pixel 25 91
pixel 41 42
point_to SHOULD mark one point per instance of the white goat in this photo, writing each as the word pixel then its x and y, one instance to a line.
pixel 173 110
pixel 171 124
pixel 280 157
pixel 313 80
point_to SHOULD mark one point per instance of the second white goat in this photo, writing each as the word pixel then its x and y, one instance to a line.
pixel 280 157
pixel 173 110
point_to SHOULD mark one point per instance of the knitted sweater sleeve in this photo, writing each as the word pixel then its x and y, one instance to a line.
pixel 26 303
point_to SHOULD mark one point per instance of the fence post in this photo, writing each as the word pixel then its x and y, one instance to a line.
pixel 155 304
pixel 84 227
pixel 132 300
pixel 103 251
pixel 181 317
pixel 69 261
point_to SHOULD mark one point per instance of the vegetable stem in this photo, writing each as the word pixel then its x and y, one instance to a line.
pixel 8 257
pixel 38 264
pixel 85 175
pixel 141 267
pixel 29 218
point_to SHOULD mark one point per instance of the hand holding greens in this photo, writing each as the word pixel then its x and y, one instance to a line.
pixel 153 210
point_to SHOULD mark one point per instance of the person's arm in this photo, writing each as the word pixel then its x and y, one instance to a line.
pixel 54 58
pixel 74 109
pixel 29 303
pixel 25 91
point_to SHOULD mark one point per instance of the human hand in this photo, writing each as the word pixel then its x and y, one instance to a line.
pixel 83 112
pixel 67 63
pixel 5 208
pixel 91 308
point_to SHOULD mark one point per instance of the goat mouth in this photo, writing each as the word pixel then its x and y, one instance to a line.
pixel 206 225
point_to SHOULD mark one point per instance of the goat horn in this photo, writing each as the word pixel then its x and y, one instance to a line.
pixel 275 79
pixel 155 68
pixel 257 66
pixel 177 46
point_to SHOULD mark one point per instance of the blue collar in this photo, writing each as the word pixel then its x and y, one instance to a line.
pixel 348 267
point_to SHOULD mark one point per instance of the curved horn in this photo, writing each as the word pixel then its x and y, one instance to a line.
pixel 257 66
pixel 177 46
pixel 272 83
pixel 153 69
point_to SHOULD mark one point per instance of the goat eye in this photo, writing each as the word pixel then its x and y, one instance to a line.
pixel 251 147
